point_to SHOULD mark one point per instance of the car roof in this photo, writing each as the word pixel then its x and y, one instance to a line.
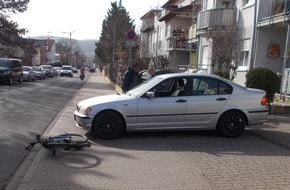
pixel 169 75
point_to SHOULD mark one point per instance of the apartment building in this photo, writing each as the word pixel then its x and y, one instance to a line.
pixel 46 51
pixel 196 32
pixel 168 32
pixel 272 38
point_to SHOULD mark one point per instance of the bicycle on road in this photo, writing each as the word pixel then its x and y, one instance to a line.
pixel 64 142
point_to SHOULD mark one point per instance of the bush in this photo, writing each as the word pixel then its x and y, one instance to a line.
pixel 265 79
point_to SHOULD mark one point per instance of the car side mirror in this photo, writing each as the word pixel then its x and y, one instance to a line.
pixel 150 94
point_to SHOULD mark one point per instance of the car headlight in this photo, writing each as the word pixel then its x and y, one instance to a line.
pixel 85 110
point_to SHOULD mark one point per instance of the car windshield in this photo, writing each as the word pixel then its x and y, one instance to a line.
pixel 37 68
pixel 143 87
pixel 25 69
pixel 46 67
pixel 66 68
pixel 4 63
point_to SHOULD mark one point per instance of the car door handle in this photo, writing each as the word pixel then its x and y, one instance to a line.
pixel 180 100
pixel 221 99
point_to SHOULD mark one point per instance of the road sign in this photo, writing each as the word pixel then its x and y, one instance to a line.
pixel 130 43
pixel 131 35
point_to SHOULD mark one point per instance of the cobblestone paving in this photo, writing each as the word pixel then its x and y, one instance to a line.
pixel 242 163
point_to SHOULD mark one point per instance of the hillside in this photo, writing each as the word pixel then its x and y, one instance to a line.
pixel 88 46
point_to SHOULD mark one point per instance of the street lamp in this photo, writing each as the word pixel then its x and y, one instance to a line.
pixel 70 43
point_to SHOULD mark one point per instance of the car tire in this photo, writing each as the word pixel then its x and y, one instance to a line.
pixel 108 125
pixel 20 80
pixel 231 124
pixel 10 80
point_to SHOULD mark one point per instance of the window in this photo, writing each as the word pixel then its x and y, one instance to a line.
pixel 167 31
pixel 244 60
pixel 170 87
pixel 204 5
pixel 161 34
pixel 209 86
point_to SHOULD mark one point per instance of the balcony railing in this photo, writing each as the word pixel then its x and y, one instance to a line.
pixel 147 27
pixel 162 13
pixel 216 19
pixel 182 44
pixel 279 13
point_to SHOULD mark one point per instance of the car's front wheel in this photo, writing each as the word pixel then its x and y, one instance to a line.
pixel 10 80
pixel 108 125
pixel 231 124
pixel 20 80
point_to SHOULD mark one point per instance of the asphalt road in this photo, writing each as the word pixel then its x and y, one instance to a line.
pixel 26 110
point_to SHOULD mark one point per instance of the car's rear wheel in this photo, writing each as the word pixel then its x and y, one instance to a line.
pixel 108 125
pixel 231 124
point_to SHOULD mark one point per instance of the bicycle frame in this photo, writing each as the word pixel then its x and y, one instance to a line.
pixel 61 142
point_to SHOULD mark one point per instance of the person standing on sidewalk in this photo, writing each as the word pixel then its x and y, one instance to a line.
pixel 131 78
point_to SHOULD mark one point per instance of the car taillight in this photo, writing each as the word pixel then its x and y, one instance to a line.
pixel 264 101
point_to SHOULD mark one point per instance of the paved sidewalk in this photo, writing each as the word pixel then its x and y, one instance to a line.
pixel 104 165
pixel 185 160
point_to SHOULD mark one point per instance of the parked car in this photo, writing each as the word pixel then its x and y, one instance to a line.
pixel 75 69
pixel 11 70
pixel 28 73
pixel 49 71
pixel 66 70
pixel 92 69
pixel 56 71
pixel 39 72
pixel 177 101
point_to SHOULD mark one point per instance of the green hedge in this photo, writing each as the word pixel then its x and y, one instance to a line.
pixel 265 79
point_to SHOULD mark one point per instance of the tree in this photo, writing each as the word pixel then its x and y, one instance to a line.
pixel 111 46
pixel 9 31
pixel 14 6
pixel 225 52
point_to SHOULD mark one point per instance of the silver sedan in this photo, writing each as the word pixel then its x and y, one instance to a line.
pixel 179 101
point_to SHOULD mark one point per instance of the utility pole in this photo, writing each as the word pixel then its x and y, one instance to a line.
pixel 70 43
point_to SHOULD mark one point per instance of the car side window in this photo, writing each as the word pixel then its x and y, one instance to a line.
pixel 163 89
pixel 170 87
pixel 209 86
pixel 16 63
pixel 225 88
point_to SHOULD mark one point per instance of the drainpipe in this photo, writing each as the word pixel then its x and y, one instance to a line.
pixel 285 60
pixel 255 35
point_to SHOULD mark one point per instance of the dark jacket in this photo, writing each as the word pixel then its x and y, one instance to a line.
pixel 130 79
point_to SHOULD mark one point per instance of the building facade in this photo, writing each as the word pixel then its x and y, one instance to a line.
pixel 194 32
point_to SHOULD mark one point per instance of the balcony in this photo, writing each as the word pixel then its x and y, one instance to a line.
pixel 147 26
pixel 181 44
pixel 166 12
pixel 216 20
pixel 279 14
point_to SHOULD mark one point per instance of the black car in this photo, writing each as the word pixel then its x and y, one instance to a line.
pixel 11 70
pixel 92 69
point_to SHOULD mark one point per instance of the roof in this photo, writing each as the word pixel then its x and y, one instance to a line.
pixel 150 14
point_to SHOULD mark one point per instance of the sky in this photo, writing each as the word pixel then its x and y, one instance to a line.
pixel 82 19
